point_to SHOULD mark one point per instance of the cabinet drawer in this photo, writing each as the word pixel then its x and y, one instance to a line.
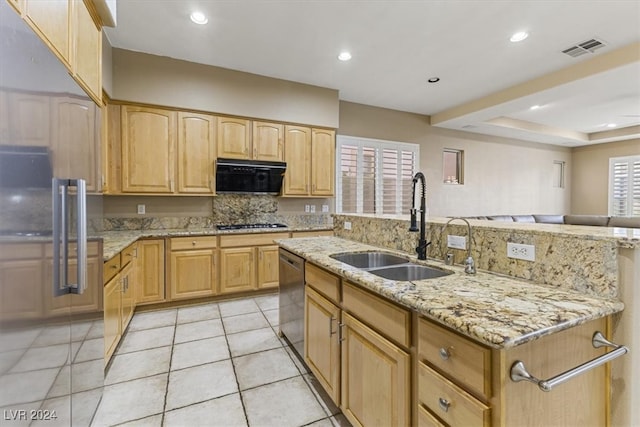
pixel 452 404
pixel 110 268
pixel 193 242
pixel 323 281
pixel 92 249
pixel 425 419
pixel 256 239
pixel 20 251
pixel 389 319
pixel 128 254
pixel 463 360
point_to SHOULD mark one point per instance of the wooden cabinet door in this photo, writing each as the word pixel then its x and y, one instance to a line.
pixel 21 293
pixel 51 20
pixel 323 148
pixel 74 141
pixel 150 282
pixel 148 143
pixel 128 294
pixel 90 301
pixel 268 268
pixel 29 120
pixel 267 141
pixel 376 384
pixel 112 315
pixel 297 148
pixel 87 58
pixel 193 274
pixel 321 341
pixel 196 153
pixel 234 138
pixel 237 270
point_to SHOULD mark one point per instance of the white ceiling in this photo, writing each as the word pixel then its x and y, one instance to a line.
pixel 398 45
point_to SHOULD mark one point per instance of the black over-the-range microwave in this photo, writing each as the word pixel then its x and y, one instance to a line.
pixel 249 176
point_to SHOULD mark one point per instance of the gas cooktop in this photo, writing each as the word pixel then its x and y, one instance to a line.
pixel 248 226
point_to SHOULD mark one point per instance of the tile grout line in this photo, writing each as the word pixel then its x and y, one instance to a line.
pixel 166 390
pixel 235 375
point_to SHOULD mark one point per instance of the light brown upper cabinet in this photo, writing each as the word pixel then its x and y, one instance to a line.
pixel 297 150
pixel 267 141
pixel 148 144
pixel 323 151
pixel 72 33
pixel 74 140
pixel 28 119
pixel 234 138
pixel 196 153
pixel 87 56
pixel 310 157
pixel 51 20
pixel 249 140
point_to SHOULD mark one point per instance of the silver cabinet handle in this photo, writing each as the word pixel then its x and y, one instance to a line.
pixel 520 373
pixel 444 404
pixel 60 192
pixel 331 331
pixel 444 353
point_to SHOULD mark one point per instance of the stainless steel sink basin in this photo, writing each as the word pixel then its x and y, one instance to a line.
pixel 367 260
pixel 409 272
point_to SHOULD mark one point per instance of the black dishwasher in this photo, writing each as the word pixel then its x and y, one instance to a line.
pixel 291 270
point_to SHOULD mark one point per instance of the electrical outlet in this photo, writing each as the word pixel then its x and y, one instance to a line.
pixel 307 208
pixel 325 208
pixel 347 225
pixel 142 209
pixel 457 242
pixel 313 208
pixel 521 251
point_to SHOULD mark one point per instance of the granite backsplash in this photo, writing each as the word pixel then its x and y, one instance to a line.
pixel 573 262
pixel 226 209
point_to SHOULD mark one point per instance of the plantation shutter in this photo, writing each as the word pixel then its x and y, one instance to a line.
pixel 624 186
pixel 374 176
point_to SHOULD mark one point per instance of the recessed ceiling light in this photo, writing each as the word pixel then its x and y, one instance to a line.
pixel 433 79
pixel 199 18
pixel 344 56
pixel 519 36
pixel 535 107
pixel 611 125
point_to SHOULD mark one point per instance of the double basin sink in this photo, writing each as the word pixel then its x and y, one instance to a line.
pixel 389 266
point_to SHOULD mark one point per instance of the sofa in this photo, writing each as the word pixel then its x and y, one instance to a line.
pixel 592 220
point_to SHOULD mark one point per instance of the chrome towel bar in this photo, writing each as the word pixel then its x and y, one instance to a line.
pixel 520 373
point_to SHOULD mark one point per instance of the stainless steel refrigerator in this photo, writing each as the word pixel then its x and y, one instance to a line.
pixel 51 320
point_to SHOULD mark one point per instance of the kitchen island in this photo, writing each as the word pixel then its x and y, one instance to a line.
pixel 440 351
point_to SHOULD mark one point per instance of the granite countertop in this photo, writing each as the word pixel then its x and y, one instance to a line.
pixel 116 241
pixel 498 311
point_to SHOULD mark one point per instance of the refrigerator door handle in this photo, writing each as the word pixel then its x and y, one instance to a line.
pixel 61 284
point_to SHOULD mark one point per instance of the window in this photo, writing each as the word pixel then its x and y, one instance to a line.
pixel 624 186
pixel 374 176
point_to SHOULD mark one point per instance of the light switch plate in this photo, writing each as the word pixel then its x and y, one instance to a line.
pixel 325 208
pixel 347 225
pixel 456 242
pixel 313 208
pixel 142 209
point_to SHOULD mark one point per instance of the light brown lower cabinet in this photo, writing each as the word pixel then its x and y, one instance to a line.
pixel 119 294
pixel 387 378
pixel 249 262
pixel 322 341
pixel 376 377
pixel 150 275
pixel 193 267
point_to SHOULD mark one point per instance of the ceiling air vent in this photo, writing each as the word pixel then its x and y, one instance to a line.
pixel 589 46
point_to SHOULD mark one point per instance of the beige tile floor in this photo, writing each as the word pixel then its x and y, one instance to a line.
pixel 216 364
